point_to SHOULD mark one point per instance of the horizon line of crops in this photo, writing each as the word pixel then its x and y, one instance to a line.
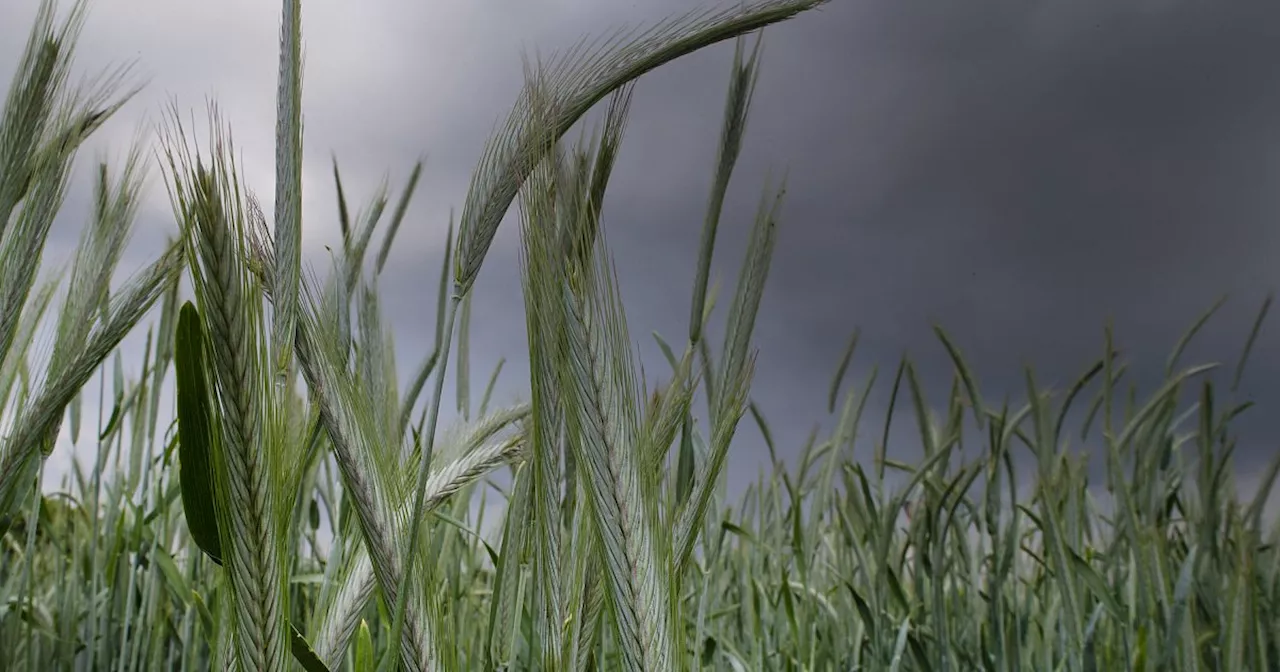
pixel 195 543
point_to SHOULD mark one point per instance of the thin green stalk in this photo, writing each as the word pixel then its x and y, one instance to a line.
pixel 420 490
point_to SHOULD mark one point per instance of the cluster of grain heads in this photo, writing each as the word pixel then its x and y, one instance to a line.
pixel 254 445
pixel 247 448
pixel 552 101
pixel 609 541
pixel 972 581
pixel 326 525
pixel 350 375
pixel 45 122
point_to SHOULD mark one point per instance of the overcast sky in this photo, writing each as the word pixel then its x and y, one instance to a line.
pixel 1018 172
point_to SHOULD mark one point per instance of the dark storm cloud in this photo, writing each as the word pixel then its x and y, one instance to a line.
pixel 1018 175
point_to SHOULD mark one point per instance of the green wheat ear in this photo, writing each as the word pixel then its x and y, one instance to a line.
pixel 198 446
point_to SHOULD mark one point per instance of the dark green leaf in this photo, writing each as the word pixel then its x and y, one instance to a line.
pixel 196 432
pixel 303 653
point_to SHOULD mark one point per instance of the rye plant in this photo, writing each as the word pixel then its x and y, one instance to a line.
pixel 46 120
pixel 242 411
pixel 296 506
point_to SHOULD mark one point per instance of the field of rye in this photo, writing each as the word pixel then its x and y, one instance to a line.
pixel 296 506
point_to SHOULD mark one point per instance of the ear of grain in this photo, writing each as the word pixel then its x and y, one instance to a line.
pixel 288 197
pixel 368 466
pixel 48 401
pixel 544 316
pixel 506 605
pixel 603 433
pixel 257 446
pixel 340 613
pixel 733 377
pixel 737 105
pixel 575 81
pixel 595 376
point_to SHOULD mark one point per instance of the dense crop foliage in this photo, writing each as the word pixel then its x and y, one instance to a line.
pixel 297 506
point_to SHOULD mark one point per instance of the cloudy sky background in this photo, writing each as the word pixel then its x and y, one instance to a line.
pixel 1017 172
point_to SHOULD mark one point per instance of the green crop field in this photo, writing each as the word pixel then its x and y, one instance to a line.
pixel 295 505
